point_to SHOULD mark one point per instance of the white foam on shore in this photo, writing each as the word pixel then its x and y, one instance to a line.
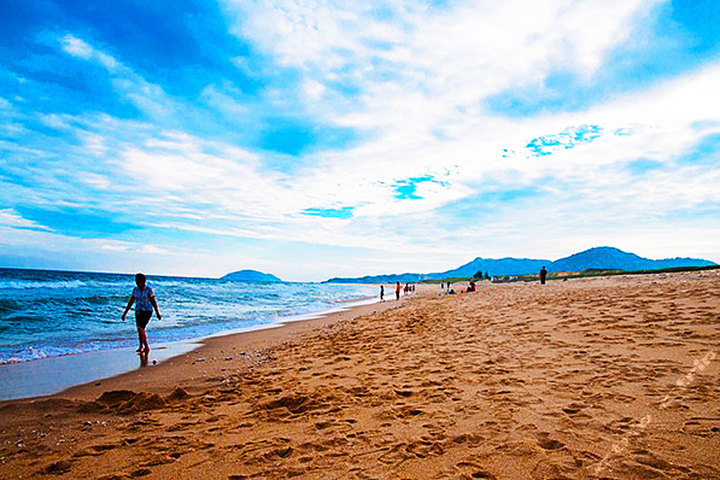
pixel 295 318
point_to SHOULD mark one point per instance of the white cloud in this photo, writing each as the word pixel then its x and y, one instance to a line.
pixel 422 74
pixel 76 47
pixel 443 57
pixel 115 248
pixel 146 96
pixel 10 218
pixel 93 143
pixel 55 121
pixel 154 250
pixel 225 102
pixel 313 90
pixel 100 182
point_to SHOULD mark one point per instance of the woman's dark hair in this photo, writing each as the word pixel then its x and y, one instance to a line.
pixel 140 278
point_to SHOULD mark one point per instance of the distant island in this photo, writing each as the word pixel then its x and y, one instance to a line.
pixel 250 276
pixel 605 258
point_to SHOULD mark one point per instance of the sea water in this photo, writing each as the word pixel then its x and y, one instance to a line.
pixel 51 313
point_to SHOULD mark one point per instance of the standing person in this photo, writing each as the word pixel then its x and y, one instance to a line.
pixel 397 291
pixel 144 299
pixel 543 275
pixel 382 293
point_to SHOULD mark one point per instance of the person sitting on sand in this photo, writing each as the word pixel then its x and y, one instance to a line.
pixel 144 299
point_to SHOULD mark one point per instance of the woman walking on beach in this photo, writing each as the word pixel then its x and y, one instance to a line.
pixel 144 299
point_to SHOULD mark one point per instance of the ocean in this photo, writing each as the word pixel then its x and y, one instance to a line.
pixel 51 313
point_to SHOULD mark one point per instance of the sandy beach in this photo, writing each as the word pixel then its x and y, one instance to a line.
pixel 607 378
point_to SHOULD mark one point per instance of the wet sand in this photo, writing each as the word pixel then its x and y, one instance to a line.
pixel 613 378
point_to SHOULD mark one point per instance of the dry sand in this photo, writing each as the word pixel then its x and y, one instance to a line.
pixel 613 378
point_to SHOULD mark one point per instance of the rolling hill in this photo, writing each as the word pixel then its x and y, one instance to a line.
pixel 249 276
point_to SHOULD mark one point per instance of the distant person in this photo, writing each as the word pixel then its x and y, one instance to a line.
pixel 144 299
pixel 471 287
pixel 382 293
pixel 397 291
pixel 442 285
pixel 543 275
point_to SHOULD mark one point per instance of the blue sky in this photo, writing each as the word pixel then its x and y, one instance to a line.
pixel 313 139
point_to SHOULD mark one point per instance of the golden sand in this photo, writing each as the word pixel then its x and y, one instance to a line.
pixel 613 378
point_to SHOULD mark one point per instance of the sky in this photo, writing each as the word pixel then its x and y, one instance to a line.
pixel 313 139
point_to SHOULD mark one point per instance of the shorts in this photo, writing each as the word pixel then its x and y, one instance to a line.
pixel 142 318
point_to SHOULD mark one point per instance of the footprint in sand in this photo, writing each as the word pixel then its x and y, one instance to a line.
pixel 94 450
pixel 58 468
pixel 424 448
pixel 475 471
pixel 573 408
pixel 404 393
pixel 545 442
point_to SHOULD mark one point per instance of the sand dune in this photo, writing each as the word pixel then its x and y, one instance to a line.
pixel 612 378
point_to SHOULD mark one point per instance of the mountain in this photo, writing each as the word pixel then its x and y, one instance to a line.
pixel 500 266
pixel 609 258
pixel 250 276
pixel 605 258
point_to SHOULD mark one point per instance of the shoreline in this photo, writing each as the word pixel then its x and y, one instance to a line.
pixel 67 374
